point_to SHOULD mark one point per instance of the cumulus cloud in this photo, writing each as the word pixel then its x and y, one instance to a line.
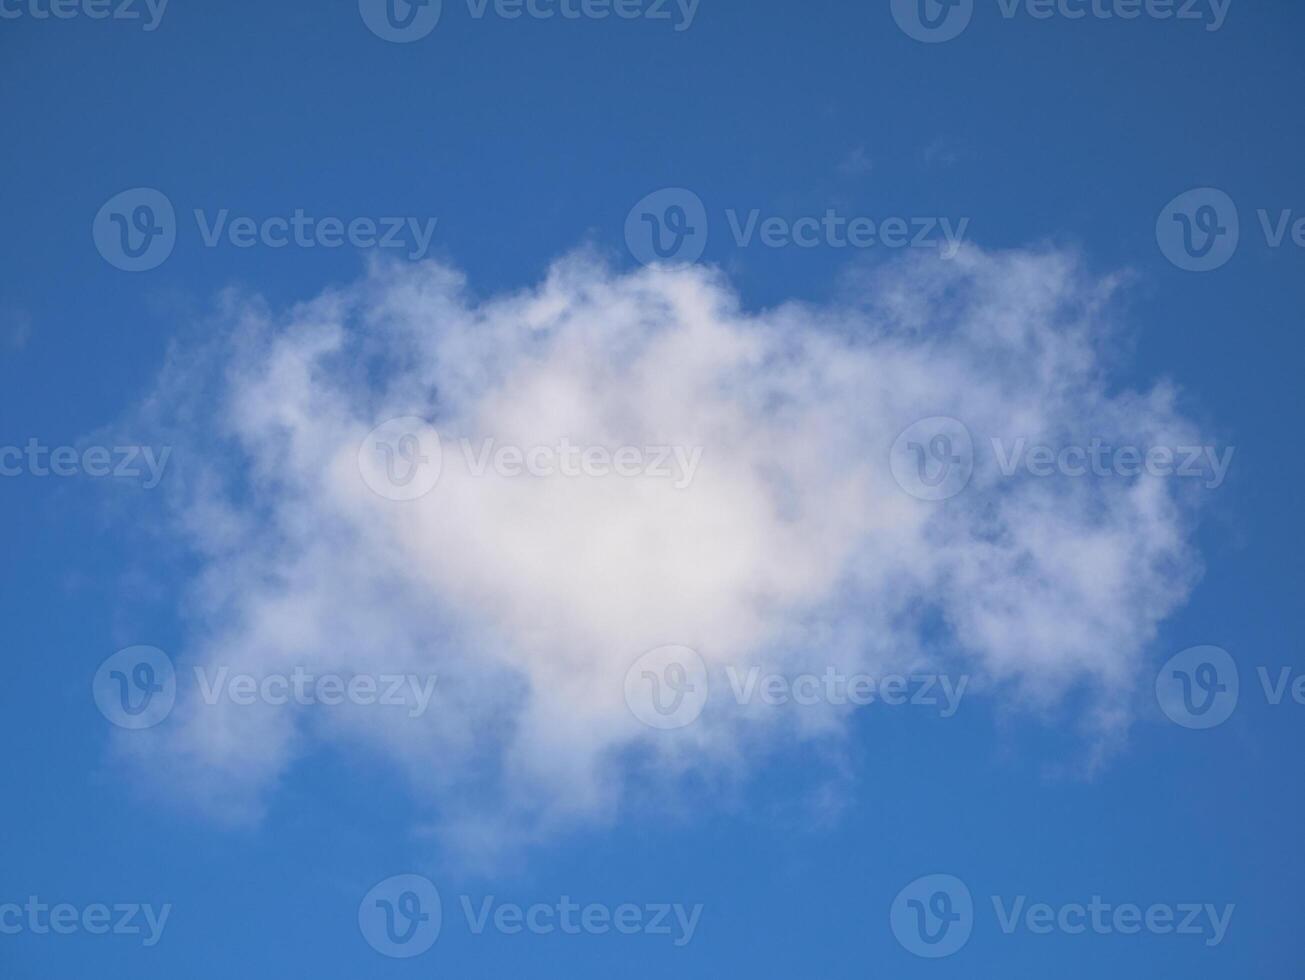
pixel 793 547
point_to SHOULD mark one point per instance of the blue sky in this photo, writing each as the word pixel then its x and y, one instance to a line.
pixel 528 139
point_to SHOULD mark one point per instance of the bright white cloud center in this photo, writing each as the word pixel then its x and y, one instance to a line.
pixel 529 582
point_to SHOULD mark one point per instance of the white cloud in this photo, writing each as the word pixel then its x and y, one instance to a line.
pixel 793 547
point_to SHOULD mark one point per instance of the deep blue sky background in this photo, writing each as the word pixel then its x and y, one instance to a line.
pixel 527 138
